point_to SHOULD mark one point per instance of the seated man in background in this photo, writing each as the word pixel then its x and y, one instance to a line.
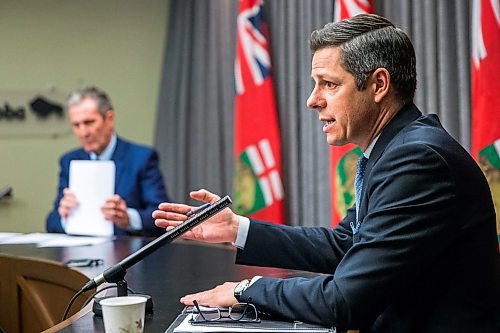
pixel 139 186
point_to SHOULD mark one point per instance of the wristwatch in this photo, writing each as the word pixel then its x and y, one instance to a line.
pixel 240 288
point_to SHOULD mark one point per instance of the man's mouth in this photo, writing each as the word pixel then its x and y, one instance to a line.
pixel 88 144
pixel 327 124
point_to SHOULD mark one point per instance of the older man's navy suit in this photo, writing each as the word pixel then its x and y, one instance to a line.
pixel 424 259
pixel 138 181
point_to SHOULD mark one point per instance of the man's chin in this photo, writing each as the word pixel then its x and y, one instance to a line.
pixel 335 142
pixel 88 149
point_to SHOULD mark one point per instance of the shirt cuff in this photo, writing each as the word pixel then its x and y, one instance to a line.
pixel 134 219
pixel 255 278
pixel 241 237
pixel 252 281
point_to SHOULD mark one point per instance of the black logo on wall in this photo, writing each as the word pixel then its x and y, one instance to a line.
pixel 8 112
pixel 41 106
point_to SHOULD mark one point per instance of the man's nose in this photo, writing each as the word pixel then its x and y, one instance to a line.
pixel 83 131
pixel 314 100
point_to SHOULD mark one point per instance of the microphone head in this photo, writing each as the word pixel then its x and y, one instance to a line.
pixel 89 285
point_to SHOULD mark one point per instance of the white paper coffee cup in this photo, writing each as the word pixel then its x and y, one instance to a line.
pixel 123 314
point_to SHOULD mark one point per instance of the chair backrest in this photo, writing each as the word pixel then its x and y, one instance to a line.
pixel 35 293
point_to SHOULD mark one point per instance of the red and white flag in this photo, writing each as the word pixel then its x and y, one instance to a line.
pixel 485 93
pixel 343 159
pixel 348 8
pixel 258 175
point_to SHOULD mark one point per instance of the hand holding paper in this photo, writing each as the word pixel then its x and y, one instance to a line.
pixel 68 203
pixel 115 210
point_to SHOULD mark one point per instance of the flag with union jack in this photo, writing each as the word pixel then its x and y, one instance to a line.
pixel 343 159
pixel 257 183
pixel 485 97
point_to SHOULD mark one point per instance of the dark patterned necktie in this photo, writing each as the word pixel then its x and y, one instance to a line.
pixel 358 181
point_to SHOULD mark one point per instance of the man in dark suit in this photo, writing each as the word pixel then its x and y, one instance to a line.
pixel 419 253
pixel 139 186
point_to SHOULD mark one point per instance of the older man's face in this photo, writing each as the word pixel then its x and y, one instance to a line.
pixel 92 129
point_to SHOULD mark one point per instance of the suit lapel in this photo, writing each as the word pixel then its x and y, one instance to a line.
pixel 118 157
pixel 406 115
pixel 81 155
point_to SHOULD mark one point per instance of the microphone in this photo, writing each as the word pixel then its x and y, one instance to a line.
pixel 117 272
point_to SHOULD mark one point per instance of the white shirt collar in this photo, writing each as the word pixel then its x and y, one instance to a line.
pixel 369 149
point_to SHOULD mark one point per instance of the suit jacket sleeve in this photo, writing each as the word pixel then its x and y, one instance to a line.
pixel 53 221
pixel 410 205
pixel 153 193
pixel 309 246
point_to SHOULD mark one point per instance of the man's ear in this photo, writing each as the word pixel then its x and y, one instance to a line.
pixel 110 116
pixel 381 82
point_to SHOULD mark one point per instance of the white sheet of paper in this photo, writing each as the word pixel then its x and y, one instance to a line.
pixel 5 235
pixel 67 241
pixel 32 238
pixel 186 327
pixel 93 182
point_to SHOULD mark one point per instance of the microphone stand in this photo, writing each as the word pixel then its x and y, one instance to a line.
pixel 116 273
pixel 121 290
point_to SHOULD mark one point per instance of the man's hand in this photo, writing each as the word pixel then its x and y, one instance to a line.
pixel 221 296
pixel 115 210
pixel 67 204
pixel 220 228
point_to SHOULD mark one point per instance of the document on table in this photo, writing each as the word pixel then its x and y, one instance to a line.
pixel 264 325
pixel 32 238
pixel 50 240
pixel 63 240
pixel 92 182
pixel 7 235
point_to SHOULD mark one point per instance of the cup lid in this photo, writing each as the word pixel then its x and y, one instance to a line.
pixel 123 300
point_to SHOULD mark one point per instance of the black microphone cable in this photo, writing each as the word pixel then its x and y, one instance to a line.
pixel 73 299
pixel 87 301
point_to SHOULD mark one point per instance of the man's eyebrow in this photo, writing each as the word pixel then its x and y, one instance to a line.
pixel 322 76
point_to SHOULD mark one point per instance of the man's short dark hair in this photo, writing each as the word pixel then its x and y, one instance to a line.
pixel 103 102
pixel 368 42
